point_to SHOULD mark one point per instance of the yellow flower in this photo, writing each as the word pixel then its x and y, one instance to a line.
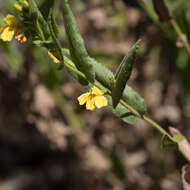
pixel 12 28
pixel 25 4
pixel 94 98
pixel 54 59
pixel 7 31
pixel 18 7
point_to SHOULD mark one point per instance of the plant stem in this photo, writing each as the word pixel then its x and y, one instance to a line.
pixel 40 32
pixel 132 110
pixel 70 65
pixel 156 126
pixel 54 37
pixel 180 34
pixel 145 118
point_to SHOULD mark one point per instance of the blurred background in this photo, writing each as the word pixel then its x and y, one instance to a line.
pixel 49 142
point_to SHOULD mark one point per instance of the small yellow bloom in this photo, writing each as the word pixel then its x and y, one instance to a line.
pixel 94 98
pixel 54 59
pixel 7 31
pixel 25 4
pixel 12 28
pixel 18 7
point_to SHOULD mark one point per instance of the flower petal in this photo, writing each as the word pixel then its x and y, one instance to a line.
pixel 6 33
pixel 10 20
pixel 94 90
pixel 100 101
pixel 54 59
pixel 18 7
pixel 25 3
pixel 83 98
pixel 90 104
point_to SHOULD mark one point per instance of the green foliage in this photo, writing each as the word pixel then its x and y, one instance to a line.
pixel 123 73
pixel 77 48
pixel 54 25
pixel 122 112
pixel 134 100
pixel 46 7
pixel 90 67
pixel 54 34
pixel 104 76
pixel 39 20
pixel 166 141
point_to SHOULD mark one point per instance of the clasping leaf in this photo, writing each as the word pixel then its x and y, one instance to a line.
pixel 123 74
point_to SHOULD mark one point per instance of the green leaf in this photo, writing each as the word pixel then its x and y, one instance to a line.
pixel 67 55
pixel 123 73
pixel 33 10
pixel 57 48
pixel 42 43
pixel 166 141
pixel 178 138
pixel 134 100
pixel 54 26
pixel 122 112
pixel 78 51
pixel 46 6
pixel 103 74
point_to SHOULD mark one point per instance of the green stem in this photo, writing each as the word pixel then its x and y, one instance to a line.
pixel 156 126
pixel 70 65
pixel 57 43
pixel 132 110
pixel 40 32
pixel 180 34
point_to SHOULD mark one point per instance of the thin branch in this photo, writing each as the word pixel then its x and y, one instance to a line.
pixel 180 34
